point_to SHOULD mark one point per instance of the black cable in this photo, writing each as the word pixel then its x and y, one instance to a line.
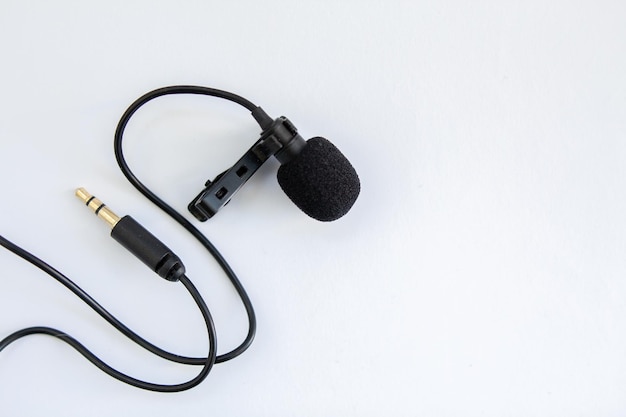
pixel 208 361
pixel 87 299
pixel 212 356
pixel 64 337
pixel 119 155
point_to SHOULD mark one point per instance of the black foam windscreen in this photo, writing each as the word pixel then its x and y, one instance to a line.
pixel 320 181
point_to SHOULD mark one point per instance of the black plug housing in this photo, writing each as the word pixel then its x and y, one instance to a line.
pixel 150 250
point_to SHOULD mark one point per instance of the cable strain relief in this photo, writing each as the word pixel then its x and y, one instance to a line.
pixel 262 118
pixel 171 268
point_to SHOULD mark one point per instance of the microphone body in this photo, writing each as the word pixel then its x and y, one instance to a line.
pixel 314 174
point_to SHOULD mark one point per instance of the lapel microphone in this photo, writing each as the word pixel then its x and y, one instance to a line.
pixel 314 174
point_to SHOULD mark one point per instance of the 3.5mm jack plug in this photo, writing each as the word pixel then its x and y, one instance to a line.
pixel 134 237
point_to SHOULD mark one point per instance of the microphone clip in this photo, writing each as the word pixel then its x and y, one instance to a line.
pixel 279 139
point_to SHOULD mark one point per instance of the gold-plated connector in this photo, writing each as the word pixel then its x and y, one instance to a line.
pixel 98 207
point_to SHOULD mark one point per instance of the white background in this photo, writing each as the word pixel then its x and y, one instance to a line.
pixel 480 273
